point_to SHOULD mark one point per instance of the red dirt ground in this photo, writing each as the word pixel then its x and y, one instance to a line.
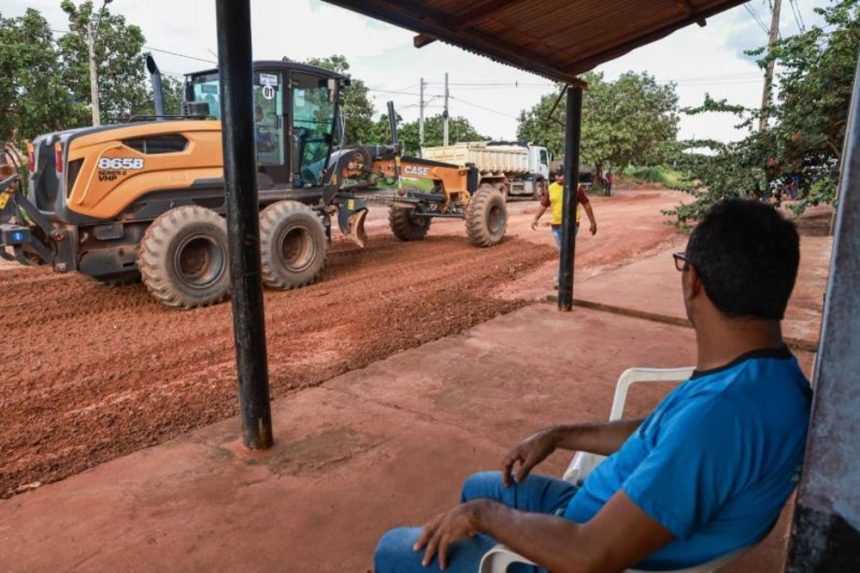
pixel 90 373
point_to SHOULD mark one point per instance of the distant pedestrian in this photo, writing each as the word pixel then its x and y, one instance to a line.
pixel 607 183
pixel 554 199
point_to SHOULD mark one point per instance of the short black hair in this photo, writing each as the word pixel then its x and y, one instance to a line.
pixel 746 255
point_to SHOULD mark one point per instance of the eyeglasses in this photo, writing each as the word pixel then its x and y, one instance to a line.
pixel 682 263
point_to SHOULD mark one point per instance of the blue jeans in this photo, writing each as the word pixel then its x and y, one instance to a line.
pixel 537 494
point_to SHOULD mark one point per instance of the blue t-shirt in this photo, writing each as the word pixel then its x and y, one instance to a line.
pixel 714 462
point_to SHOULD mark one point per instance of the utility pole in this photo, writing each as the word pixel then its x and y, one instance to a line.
pixel 768 74
pixel 421 120
pixel 92 35
pixel 445 114
pixel 94 78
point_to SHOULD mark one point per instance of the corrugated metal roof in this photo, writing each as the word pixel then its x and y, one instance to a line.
pixel 558 39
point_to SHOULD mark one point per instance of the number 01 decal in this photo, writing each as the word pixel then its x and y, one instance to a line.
pixel 120 163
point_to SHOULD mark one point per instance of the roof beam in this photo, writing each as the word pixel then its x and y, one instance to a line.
pixel 689 11
pixel 591 62
pixel 477 11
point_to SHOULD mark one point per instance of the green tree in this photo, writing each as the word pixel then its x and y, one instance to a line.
pixel 356 107
pixel 630 120
pixel 807 121
pixel 459 130
pixel 119 57
pixel 33 97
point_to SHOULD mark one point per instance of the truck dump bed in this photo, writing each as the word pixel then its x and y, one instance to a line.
pixel 487 158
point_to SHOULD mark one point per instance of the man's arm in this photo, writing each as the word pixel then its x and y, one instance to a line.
pixel 603 439
pixel 538 215
pixel 582 198
pixel 620 535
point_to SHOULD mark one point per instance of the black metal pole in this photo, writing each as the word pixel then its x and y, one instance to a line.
pixel 572 135
pixel 825 534
pixel 243 228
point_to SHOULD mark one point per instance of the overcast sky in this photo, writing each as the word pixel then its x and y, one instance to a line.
pixel 699 60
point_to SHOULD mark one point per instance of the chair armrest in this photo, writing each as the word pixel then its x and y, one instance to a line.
pixel 497 560
pixel 633 375
pixel 580 466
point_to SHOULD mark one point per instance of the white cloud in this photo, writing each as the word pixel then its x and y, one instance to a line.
pixel 701 60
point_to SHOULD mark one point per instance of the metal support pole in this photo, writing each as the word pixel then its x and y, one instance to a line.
pixel 572 135
pixel 825 534
pixel 243 228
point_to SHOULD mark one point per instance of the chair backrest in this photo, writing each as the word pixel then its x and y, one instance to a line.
pixel 582 464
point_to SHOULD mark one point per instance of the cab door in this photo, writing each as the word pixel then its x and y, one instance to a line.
pixel 270 128
pixel 311 118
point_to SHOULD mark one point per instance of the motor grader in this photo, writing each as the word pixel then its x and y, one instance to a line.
pixel 146 199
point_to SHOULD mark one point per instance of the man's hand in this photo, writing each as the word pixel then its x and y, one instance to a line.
pixel 593 228
pixel 448 528
pixel 529 453
pixel 534 225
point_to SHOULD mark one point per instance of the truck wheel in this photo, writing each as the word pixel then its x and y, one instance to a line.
pixel 183 258
pixel 406 227
pixel 292 245
pixel 486 217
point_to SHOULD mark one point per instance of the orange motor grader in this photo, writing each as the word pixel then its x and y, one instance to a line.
pixel 145 199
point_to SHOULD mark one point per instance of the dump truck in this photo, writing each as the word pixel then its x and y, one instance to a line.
pixel 145 200
pixel 515 168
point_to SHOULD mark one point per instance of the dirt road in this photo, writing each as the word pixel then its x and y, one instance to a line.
pixel 89 373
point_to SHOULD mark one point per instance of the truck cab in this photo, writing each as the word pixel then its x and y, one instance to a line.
pixel 539 160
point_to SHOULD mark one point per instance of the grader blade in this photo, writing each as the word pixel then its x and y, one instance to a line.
pixel 355 228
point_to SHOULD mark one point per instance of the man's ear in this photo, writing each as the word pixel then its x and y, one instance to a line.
pixel 693 286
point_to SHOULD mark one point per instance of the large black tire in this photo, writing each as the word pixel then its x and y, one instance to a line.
pixel 183 258
pixel 292 245
pixel 406 227
pixel 486 217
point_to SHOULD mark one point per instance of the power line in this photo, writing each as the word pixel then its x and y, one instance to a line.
pixel 755 16
pixel 180 55
pixel 795 9
pixel 483 107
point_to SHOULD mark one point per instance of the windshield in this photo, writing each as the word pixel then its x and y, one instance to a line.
pixel 206 89
pixel 312 122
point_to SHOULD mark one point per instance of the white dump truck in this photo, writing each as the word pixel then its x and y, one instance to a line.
pixel 516 169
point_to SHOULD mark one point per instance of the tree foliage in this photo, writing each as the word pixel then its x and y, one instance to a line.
pixel 807 120
pixel 120 61
pixel 629 120
pixel 33 96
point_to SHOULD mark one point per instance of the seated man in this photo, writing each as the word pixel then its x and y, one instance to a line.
pixel 706 473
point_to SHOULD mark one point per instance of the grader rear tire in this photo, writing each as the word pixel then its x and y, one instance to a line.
pixel 486 217
pixel 183 258
pixel 406 227
pixel 292 245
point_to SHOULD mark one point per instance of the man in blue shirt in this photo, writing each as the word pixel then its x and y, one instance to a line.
pixel 706 473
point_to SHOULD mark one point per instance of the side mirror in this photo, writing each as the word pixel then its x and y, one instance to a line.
pixel 332 89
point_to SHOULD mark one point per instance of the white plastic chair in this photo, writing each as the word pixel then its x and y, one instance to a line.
pixel 500 557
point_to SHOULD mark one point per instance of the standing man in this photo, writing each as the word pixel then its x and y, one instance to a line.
pixel 554 199
pixel 608 183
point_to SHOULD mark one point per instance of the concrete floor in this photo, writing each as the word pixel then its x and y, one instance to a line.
pixel 378 447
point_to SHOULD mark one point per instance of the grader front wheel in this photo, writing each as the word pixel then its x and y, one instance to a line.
pixel 486 217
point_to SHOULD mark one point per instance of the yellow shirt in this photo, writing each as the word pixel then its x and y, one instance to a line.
pixel 556 202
